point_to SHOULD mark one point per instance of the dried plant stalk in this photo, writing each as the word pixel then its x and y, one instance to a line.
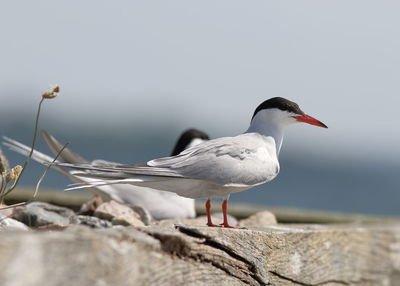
pixel 16 173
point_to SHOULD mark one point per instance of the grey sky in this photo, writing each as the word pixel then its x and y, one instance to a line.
pixel 208 64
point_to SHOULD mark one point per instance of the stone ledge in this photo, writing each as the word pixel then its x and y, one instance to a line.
pixel 74 200
pixel 277 255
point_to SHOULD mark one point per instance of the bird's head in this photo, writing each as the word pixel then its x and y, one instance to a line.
pixel 283 112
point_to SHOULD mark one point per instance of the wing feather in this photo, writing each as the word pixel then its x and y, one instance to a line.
pixel 247 159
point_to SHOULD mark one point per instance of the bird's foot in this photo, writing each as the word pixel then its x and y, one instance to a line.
pixel 210 224
pixel 226 225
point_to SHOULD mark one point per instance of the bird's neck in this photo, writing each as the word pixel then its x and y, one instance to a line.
pixel 268 128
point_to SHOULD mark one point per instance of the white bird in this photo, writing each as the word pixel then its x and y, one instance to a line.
pixel 215 168
pixel 160 204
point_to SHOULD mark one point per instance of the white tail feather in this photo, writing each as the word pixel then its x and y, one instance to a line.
pixel 78 186
pixel 25 150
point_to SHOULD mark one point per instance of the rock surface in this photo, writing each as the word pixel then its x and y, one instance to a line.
pixel 263 218
pixel 144 214
pixel 7 224
pixel 38 214
pixel 93 222
pixel 279 255
pixel 118 214
pixel 91 205
pixel 5 210
pixel 198 221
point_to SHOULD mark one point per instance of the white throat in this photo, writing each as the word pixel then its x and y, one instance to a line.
pixel 270 122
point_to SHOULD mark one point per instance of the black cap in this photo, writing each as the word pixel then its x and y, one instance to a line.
pixel 280 103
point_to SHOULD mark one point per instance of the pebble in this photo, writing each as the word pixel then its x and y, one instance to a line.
pixel 7 224
pixel 118 214
pixel 38 214
pixel 5 210
pixel 259 219
pixel 90 206
pixel 93 222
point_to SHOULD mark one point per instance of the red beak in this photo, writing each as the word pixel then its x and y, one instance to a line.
pixel 310 120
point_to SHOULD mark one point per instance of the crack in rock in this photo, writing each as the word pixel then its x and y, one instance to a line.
pixel 251 270
pixel 307 284
pixel 242 259
pixel 188 244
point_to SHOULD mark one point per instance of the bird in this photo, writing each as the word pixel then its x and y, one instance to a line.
pixel 214 168
pixel 160 204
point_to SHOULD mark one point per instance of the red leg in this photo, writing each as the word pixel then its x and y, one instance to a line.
pixel 224 212
pixel 208 207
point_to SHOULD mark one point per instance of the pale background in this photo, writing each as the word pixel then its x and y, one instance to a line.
pixel 134 74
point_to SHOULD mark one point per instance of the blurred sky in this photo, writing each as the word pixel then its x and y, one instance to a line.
pixel 207 64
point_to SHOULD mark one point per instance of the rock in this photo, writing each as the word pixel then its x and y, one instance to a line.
pixel 217 218
pixel 7 224
pixel 90 206
pixel 198 221
pixel 93 222
pixel 51 227
pixel 5 210
pixel 259 219
pixel 37 214
pixel 127 220
pixel 144 214
pixel 280 255
pixel 118 214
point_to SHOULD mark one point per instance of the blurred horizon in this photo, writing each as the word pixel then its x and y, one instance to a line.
pixel 305 181
pixel 135 74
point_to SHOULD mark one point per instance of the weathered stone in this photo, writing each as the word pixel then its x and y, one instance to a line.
pixel 5 210
pixel 280 255
pixel 144 214
pixel 7 224
pixel 37 214
pixel 51 227
pixel 127 220
pixel 118 214
pixel 198 221
pixel 91 205
pixel 263 218
pixel 218 218
pixel 93 222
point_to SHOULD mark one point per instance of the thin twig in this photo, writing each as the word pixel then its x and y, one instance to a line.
pixel 39 182
pixel 47 168
pixel 14 205
pixel 30 153
pixel 36 128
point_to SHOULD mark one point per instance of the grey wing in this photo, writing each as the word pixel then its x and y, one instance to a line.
pixel 240 161
pixel 237 161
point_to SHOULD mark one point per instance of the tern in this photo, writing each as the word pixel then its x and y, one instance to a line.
pixel 160 204
pixel 214 168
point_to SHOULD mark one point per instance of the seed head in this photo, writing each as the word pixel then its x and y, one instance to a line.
pixel 14 173
pixel 52 93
